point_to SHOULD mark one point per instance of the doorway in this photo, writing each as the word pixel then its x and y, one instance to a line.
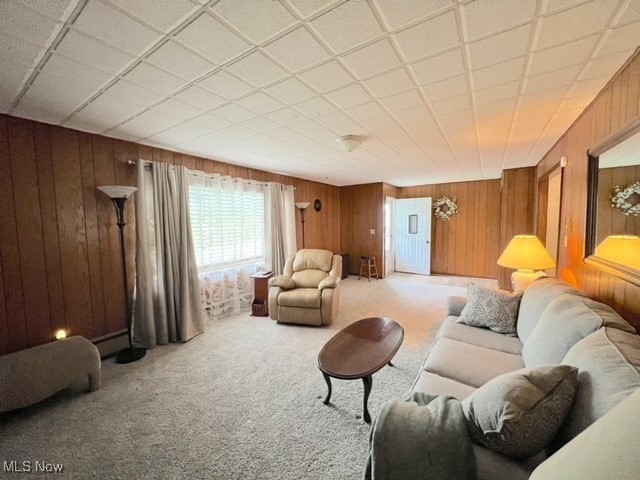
pixel 413 235
pixel 389 236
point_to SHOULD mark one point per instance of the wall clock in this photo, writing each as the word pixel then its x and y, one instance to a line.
pixel 317 205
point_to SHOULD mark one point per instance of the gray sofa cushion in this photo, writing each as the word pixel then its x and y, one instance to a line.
pixel 519 413
pixel 479 336
pixel 436 385
pixel 535 300
pixel 491 308
pixel 469 364
pixel 609 365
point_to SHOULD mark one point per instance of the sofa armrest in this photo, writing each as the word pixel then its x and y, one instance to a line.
pixel 329 282
pixel 282 281
pixel 455 304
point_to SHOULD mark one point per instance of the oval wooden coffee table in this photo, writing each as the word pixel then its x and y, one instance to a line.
pixel 359 351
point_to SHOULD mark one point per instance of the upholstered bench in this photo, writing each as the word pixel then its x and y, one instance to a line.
pixel 31 375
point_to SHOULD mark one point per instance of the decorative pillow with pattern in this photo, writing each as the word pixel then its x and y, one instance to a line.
pixel 518 414
pixel 490 308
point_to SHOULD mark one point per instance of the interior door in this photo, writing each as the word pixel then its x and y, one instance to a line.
pixel 389 236
pixel 413 235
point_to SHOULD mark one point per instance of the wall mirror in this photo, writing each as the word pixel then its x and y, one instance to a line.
pixel 614 165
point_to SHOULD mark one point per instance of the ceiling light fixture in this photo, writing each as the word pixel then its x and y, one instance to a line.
pixel 348 143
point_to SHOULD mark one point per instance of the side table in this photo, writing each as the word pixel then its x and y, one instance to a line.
pixel 345 263
pixel 260 306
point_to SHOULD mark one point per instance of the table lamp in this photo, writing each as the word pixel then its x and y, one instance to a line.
pixel 622 249
pixel 527 254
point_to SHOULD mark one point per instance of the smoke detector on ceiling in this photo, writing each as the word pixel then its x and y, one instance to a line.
pixel 349 143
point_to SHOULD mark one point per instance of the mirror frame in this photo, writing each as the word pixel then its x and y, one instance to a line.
pixel 622 271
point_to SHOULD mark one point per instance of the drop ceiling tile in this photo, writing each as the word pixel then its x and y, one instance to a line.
pixel 347 26
pixel 413 114
pixel 314 107
pixel 446 88
pixel 162 14
pixel 179 61
pixel 11 76
pixel 154 78
pixel 115 28
pixel 290 91
pixel 327 77
pixel 91 52
pixel 389 83
pixel 74 72
pixel 16 51
pixel 257 20
pixel 373 59
pixel 349 96
pixel 239 131
pixel 199 98
pixel 437 68
pixel 211 121
pixel 262 124
pixel 631 14
pixel 543 98
pixel 498 48
pixel 334 120
pixel 177 109
pixel 402 101
pixel 107 111
pixel 286 116
pixel 234 112
pixel 431 36
pixel 364 111
pixel 25 24
pixel 308 7
pixel 571 53
pixel 498 74
pixel 622 39
pixel 547 81
pixel 498 93
pixel 500 111
pixel 297 50
pixel 577 22
pixel 212 39
pixel 606 65
pixel 146 124
pixel 179 133
pixel 132 93
pixel 260 103
pixel 485 17
pixel 53 9
pixel 257 70
pixel 453 104
pixel 226 85
pixel 401 12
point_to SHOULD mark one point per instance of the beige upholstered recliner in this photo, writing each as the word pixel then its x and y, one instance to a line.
pixel 308 292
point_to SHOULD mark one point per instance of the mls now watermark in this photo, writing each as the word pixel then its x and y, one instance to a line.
pixel 27 466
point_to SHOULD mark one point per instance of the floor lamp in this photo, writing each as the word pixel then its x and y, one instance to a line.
pixel 302 206
pixel 119 195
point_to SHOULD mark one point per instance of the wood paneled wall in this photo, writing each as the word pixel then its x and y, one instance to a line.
pixel 517 205
pixel 616 106
pixel 362 209
pixel 468 243
pixel 60 261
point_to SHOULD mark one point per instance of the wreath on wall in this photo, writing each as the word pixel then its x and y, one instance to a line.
pixel 445 207
pixel 620 199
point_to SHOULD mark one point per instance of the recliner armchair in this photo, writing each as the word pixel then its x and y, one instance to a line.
pixel 308 291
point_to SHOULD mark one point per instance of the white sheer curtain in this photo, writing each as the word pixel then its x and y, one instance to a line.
pixel 167 302
pixel 228 224
pixel 281 225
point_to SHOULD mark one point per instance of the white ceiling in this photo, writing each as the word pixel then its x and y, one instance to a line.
pixel 440 90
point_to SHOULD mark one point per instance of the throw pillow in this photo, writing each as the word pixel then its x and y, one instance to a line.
pixel 489 308
pixel 518 414
pixel 282 281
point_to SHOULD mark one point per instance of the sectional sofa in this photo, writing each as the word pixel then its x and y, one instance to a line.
pixel 555 325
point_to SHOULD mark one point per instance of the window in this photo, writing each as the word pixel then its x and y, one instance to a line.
pixel 227 222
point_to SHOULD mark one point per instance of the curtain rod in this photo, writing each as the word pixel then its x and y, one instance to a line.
pixel 224 178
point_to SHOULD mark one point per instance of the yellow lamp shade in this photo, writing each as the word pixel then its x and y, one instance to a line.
pixel 526 252
pixel 622 249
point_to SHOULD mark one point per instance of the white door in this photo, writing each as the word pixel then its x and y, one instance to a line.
pixel 389 235
pixel 413 235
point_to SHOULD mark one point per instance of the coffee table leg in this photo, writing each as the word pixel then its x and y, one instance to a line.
pixel 327 379
pixel 367 381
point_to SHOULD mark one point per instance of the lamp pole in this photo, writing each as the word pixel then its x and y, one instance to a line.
pixel 302 206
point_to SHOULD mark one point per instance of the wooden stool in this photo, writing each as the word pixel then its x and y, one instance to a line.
pixel 368 265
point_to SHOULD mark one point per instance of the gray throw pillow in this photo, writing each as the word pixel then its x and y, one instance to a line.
pixel 518 414
pixel 490 308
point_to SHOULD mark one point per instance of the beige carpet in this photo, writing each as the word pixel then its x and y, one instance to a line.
pixel 241 401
